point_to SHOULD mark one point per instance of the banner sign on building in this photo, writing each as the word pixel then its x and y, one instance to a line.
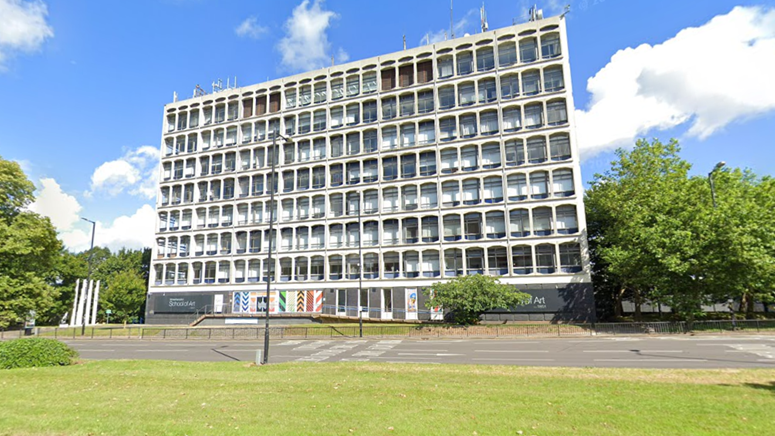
pixel 181 303
pixel 248 302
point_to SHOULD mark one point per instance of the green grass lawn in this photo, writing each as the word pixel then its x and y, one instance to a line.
pixel 234 398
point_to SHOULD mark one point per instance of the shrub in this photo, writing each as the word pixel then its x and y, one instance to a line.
pixel 35 352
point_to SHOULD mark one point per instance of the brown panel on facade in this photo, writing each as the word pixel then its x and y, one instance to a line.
pixel 425 71
pixel 247 108
pixel 388 79
pixel 261 105
pixel 274 102
pixel 406 75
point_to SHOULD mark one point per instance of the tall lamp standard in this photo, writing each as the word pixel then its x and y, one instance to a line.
pixel 710 179
pixel 270 266
pixel 360 269
pixel 88 274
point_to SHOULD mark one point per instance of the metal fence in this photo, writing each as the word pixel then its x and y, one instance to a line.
pixel 397 331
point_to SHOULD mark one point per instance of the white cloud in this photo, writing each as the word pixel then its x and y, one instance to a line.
pixel 305 45
pixel 135 173
pixel 135 231
pixel 250 28
pixel 61 208
pixel 465 24
pixel 708 76
pixel 23 27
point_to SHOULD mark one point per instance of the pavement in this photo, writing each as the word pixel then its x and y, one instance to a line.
pixel 730 351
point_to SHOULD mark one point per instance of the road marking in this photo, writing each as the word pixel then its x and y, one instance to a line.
pixel 93 350
pixel 650 360
pixel 406 358
pixel 514 360
pixel 632 351
pixel 511 351
pixel 428 354
pixel 160 351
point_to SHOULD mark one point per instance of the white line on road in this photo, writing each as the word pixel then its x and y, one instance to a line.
pixel 160 351
pixel 511 351
pixel 92 350
pixel 632 351
pixel 513 360
pixel 650 360
pixel 428 354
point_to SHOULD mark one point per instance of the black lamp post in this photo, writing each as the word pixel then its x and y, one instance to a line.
pixel 710 179
pixel 270 266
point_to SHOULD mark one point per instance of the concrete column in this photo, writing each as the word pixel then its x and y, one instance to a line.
pixel 81 302
pixel 94 304
pixel 87 311
pixel 75 303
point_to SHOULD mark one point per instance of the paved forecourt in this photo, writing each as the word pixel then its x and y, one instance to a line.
pixel 733 351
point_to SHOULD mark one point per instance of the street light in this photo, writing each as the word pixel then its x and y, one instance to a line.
pixel 270 264
pixel 88 274
pixel 360 269
pixel 710 179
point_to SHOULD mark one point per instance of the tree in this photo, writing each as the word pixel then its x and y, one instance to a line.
pixel 124 295
pixel 467 297
pixel 28 249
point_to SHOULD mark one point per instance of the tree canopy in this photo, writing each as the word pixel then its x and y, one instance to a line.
pixel 467 297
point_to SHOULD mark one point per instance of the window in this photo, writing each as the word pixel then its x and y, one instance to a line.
pixel 370 82
pixel 470 158
pixel 317 268
pixel 556 113
pixel 318 209
pixel 545 259
pixel 467 125
pixel 353 143
pixel 303 179
pixel 336 206
pixel 389 168
pixel 411 231
pixel 507 54
pixel 407 105
pixel 220 113
pixel 522 259
pixel 427 133
pixel 290 99
pixel 319 148
pixel 389 138
pixel 424 71
pixel 407 135
pixel 304 151
pixel 534 116
pixel 550 45
pixel 528 50
pixel 542 221
pixel 466 93
pixel 371 202
pixel 536 149
pixel 450 194
pixel 430 263
pixel 453 262
pixel 446 97
pixel 408 166
pixel 428 196
pixel 336 175
pixel 430 229
pixel 474 261
pixel 288 152
pixel 370 112
pixel 424 102
pixel 562 183
pixel 305 96
pixel 428 163
pixel 353 206
pixel 447 129
pixel 570 258
pixel 337 89
pixel 370 141
pixel 531 82
pixel 319 120
pixel 489 122
pixel 485 59
pixel 449 162
pixel 390 232
pixel 337 146
pixel 538 185
pixel 493 190
pixel 465 63
pixel 497 261
pixel 353 173
pixel 353 114
pixel 509 86
pixel 512 119
pixel 517 185
pixel 411 264
pixel 471 192
pixel 487 91
pixel 288 179
pixel 515 152
pixel 559 146
pixel 304 123
pixel 392 270
pixel 567 223
pixel 320 92
pixel 406 75
pixel 388 108
pixel 553 80
pixel 445 67
pixel 519 223
pixel 388 79
pixel 452 230
pixel 370 171
pixel 491 155
pixel 337 117
pixel 353 86
pixel 335 267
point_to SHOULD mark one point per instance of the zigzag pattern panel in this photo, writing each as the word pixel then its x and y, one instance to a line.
pixel 318 301
pixel 291 298
pixel 282 301
pixel 300 301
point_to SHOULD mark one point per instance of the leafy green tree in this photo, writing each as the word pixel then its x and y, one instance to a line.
pixel 467 297
pixel 124 295
pixel 28 249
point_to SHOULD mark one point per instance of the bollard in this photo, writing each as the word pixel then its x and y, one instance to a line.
pixel 258 357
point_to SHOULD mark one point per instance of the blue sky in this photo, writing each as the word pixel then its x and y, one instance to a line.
pixel 83 83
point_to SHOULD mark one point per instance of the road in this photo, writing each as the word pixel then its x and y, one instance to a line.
pixel 634 352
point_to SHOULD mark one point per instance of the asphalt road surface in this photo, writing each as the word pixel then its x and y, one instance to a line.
pixel 634 352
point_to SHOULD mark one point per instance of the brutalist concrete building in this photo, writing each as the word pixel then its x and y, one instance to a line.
pixel 400 171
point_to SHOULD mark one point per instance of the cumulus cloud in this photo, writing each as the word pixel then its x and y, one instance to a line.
pixel 135 231
pixel 51 201
pixel 469 23
pixel 250 28
pixel 706 77
pixel 305 45
pixel 23 27
pixel 135 173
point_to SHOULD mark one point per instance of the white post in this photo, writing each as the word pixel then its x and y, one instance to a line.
pixel 87 311
pixel 94 304
pixel 81 302
pixel 75 303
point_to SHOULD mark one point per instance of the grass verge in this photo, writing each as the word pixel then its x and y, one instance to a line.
pixel 233 398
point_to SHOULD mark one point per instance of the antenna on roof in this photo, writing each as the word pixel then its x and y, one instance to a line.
pixel 174 96
pixel 535 14
pixel 565 12
pixel 451 22
pixel 332 60
pixel 483 15
pixel 217 86
pixel 404 41
pixel 198 91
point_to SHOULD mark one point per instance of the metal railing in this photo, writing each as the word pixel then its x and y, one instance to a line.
pixel 397 331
